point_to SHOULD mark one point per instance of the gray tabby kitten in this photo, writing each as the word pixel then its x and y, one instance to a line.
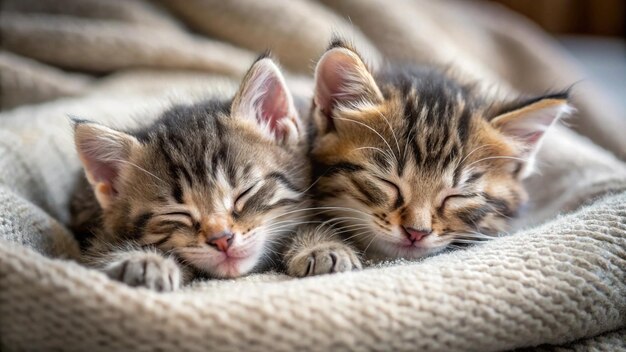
pixel 212 188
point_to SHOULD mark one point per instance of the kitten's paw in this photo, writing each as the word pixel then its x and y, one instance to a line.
pixel 148 270
pixel 324 258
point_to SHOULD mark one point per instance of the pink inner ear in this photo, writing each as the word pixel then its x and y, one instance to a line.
pixel 274 106
pixel 530 123
pixel 528 136
pixel 102 171
pixel 533 137
pixel 331 84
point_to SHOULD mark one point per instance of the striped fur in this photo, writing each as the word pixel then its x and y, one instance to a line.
pixel 198 171
pixel 414 147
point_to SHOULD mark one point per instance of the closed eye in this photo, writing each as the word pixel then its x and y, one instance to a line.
pixel 170 225
pixel 458 196
pixel 399 199
pixel 241 198
pixel 391 184
pixel 177 213
pixel 172 220
pixel 244 193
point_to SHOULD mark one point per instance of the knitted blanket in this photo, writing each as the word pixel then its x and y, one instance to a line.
pixel 556 283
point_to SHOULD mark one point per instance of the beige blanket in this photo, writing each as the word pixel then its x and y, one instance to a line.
pixel 560 280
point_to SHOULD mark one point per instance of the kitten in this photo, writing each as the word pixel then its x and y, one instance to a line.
pixel 411 160
pixel 209 188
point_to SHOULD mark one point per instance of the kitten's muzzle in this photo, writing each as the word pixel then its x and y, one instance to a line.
pixel 221 241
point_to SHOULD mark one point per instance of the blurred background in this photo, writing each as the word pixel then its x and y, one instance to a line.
pixel 593 31
pixel 52 49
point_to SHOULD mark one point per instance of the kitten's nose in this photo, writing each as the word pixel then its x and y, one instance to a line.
pixel 415 234
pixel 221 241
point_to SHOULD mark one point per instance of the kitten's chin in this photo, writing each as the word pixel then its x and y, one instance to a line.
pixel 413 252
pixel 223 266
pixel 393 250
pixel 232 267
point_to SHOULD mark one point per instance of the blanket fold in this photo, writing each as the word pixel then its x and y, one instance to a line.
pixel 556 284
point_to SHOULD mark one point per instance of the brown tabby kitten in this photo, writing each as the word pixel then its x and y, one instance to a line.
pixel 208 188
pixel 411 161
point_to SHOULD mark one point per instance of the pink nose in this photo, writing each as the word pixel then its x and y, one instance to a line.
pixel 221 241
pixel 414 234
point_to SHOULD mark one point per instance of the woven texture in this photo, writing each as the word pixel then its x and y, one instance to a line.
pixel 558 283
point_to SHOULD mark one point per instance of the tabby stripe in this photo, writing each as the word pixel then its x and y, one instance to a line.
pixel 171 225
pixel 411 132
pixel 139 224
pixel 518 168
pixel 246 170
pixel 373 196
pixel 463 124
pixel 343 167
pixel 399 201
pixel 499 206
pixel 474 177
pixel 330 194
pixel 467 195
pixel 182 213
pixel 176 142
pixel 231 175
pixel 283 179
pixel 182 170
pixel 473 216
pixel 456 177
pixel 447 160
pixel 162 240
pixel 381 160
pixel 198 168
pixel 281 203
pixel 417 154
pixel 177 192
pixel 218 158
pixel 256 201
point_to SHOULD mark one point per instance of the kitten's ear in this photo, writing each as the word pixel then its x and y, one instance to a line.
pixel 529 121
pixel 264 97
pixel 343 79
pixel 103 152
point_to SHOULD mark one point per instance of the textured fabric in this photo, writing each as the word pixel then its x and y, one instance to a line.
pixel 558 282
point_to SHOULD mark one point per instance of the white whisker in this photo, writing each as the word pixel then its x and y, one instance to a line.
pixel 138 167
pixel 373 130
pixel 496 157
pixel 472 152
pixel 393 133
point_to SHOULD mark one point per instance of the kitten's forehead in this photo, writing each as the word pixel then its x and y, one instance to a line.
pixel 433 116
pixel 201 149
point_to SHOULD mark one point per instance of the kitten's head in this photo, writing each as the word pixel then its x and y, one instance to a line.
pixel 213 183
pixel 412 161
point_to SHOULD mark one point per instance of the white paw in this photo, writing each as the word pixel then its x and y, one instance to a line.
pixel 324 258
pixel 148 270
